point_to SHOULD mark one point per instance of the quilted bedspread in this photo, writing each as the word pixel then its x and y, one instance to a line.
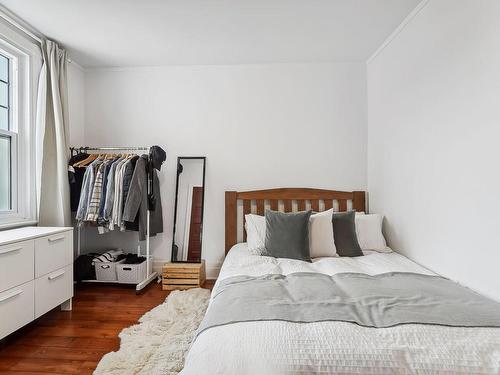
pixel 280 347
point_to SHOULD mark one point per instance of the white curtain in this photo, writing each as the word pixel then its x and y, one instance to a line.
pixel 51 135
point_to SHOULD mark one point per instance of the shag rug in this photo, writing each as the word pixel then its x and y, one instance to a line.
pixel 159 343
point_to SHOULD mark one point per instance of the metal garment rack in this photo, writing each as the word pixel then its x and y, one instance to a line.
pixel 150 274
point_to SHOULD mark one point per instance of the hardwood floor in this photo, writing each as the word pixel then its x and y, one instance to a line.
pixel 73 342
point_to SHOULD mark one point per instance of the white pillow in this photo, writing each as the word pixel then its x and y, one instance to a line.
pixel 255 226
pixel 321 242
pixel 369 232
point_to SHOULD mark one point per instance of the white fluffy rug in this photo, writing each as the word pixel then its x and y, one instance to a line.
pixel 159 343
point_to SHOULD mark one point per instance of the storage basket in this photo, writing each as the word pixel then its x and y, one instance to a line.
pixel 131 273
pixel 106 271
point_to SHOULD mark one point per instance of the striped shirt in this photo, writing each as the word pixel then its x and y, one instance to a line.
pixel 95 199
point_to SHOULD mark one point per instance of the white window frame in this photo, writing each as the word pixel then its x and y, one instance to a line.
pixel 24 67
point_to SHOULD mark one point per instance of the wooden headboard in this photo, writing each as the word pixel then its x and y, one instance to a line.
pixel 285 200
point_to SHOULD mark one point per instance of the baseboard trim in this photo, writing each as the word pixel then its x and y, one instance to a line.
pixel 158 265
pixel 213 272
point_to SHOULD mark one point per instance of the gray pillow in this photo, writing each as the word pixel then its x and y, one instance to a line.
pixel 344 234
pixel 287 235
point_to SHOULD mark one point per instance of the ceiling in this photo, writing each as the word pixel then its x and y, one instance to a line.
pixel 105 33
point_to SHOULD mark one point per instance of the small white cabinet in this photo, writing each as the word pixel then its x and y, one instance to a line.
pixel 36 274
pixel 17 308
pixel 17 262
pixel 53 252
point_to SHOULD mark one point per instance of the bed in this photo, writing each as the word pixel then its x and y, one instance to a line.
pixel 328 347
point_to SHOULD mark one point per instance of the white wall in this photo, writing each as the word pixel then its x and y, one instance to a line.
pixel 433 136
pixel 260 126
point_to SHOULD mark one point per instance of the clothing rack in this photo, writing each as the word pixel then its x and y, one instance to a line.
pixel 107 148
pixel 150 274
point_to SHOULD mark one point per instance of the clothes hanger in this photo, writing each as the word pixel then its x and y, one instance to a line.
pixel 86 161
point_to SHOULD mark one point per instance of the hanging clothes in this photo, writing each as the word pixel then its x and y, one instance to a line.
pixel 75 179
pixel 118 195
pixel 137 200
pixel 128 172
pixel 95 198
pixel 102 202
pixel 157 156
pixel 110 194
pixel 87 188
pixel 114 192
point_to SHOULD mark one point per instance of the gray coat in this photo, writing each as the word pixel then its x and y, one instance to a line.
pixel 110 190
pixel 137 201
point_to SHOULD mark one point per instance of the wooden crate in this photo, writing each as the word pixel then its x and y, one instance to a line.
pixel 180 276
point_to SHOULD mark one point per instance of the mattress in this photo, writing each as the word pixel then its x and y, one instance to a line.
pixel 277 347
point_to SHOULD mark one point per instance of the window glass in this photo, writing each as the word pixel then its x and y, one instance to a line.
pixel 4 118
pixel 5 138
pixel 4 68
pixel 4 94
pixel 5 186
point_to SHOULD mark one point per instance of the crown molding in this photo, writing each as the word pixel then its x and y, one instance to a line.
pixel 398 29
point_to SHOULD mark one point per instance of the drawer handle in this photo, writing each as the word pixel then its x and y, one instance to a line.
pixel 11 295
pixel 5 251
pixel 105 267
pixel 55 276
pixel 55 239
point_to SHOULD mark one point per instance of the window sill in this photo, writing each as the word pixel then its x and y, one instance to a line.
pixel 17 224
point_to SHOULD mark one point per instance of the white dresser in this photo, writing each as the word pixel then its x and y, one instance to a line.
pixel 36 274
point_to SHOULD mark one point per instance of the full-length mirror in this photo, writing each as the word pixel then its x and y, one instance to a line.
pixel 188 214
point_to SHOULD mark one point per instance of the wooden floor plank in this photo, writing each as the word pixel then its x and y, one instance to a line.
pixel 73 342
pixel 64 353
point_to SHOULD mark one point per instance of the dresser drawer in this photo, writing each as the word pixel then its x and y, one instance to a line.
pixel 16 264
pixel 16 308
pixel 53 289
pixel 53 252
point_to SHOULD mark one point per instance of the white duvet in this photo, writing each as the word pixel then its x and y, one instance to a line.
pixel 277 347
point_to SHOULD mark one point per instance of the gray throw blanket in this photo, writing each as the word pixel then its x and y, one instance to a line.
pixel 379 301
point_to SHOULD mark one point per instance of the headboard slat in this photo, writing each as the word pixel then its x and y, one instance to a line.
pixel 359 201
pixel 287 196
pixel 231 216
pixel 328 204
pixel 274 204
pixel 315 205
pixel 301 205
pixel 260 206
pixel 342 205
pixel 247 209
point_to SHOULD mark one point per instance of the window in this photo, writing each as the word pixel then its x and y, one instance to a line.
pixel 7 137
pixel 19 67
